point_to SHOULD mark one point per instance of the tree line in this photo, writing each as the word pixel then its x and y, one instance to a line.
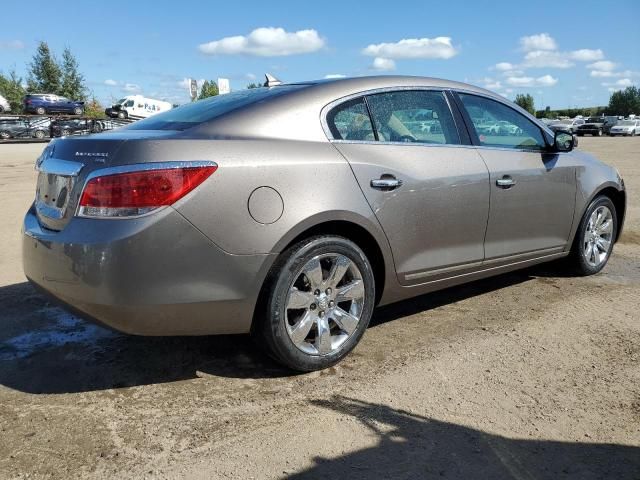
pixel 45 74
pixel 622 102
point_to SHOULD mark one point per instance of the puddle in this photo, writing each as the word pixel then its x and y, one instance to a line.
pixel 63 329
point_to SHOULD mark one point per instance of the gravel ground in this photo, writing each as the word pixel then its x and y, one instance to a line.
pixel 530 375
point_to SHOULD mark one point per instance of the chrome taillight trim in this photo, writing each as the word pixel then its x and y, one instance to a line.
pixel 136 167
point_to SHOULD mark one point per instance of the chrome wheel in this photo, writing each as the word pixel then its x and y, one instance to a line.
pixel 324 304
pixel 598 236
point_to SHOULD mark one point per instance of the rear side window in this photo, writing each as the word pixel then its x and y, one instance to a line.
pixel 500 126
pixel 196 113
pixel 350 121
pixel 413 116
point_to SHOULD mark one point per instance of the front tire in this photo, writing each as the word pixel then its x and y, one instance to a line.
pixel 122 114
pixel 595 237
pixel 77 111
pixel 39 134
pixel 40 111
pixel 318 300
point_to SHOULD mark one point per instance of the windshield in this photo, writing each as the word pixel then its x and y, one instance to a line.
pixel 595 120
pixel 202 111
pixel 121 101
pixel 628 123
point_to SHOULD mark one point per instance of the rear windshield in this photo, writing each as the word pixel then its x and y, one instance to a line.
pixel 196 113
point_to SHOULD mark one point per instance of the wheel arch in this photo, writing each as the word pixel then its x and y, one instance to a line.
pixel 619 198
pixel 359 235
pixel 375 248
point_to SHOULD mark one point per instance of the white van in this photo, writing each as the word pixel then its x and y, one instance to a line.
pixel 4 105
pixel 136 107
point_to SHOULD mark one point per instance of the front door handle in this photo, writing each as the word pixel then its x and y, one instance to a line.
pixel 386 182
pixel 505 182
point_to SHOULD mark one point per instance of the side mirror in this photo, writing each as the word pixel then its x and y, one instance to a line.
pixel 564 141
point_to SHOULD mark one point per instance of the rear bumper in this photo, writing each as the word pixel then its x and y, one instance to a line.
pixel 156 275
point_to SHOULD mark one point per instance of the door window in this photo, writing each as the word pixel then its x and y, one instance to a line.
pixel 498 125
pixel 414 116
pixel 350 121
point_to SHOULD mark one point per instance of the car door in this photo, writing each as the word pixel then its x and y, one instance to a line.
pixel 532 190
pixel 429 193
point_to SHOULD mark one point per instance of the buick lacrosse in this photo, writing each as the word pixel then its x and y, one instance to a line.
pixel 291 211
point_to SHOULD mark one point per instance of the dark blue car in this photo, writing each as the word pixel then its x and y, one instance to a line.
pixel 43 103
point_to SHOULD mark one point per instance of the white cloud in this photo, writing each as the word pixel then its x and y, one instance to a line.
pixel 266 42
pixel 491 84
pixel 542 41
pixel 603 65
pixel 383 64
pixel 439 47
pixel 504 66
pixel 131 88
pixel 586 55
pixel 12 45
pixel 603 74
pixel 544 81
pixel 334 75
pixel 546 59
pixel 623 82
pixel 110 82
pixel 251 76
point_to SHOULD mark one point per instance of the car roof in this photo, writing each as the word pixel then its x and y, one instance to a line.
pixel 295 114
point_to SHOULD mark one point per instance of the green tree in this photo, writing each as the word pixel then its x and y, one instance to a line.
pixel 625 102
pixel 93 108
pixel 208 89
pixel 526 102
pixel 72 84
pixel 254 85
pixel 44 72
pixel 11 88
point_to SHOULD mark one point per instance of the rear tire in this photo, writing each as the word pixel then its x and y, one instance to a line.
pixel 311 319
pixel 600 132
pixel 39 134
pixel 77 111
pixel 595 237
pixel 65 132
pixel 41 111
pixel 5 135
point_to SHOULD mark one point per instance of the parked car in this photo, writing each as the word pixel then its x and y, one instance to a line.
pixel 136 107
pixel 571 125
pixel 626 127
pixel 611 121
pixel 592 126
pixel 4 105
pixel 21 128
pixel 290 211
pixel 63 128
pixel 42 104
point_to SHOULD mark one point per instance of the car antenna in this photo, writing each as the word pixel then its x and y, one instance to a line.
pixel 271 81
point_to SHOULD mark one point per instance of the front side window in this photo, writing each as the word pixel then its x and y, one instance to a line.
pixel 413 116
pixel 497 125
pixel 350 121
pixel 129 103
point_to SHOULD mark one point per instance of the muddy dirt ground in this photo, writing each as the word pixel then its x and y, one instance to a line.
pixel 530 375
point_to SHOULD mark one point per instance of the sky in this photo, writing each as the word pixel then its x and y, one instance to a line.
pixel 565 54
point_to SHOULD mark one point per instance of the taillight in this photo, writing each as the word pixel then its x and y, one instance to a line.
pixel 138 192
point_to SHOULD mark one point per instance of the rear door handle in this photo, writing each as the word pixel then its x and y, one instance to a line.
pixel 505 182
pixel 386 183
